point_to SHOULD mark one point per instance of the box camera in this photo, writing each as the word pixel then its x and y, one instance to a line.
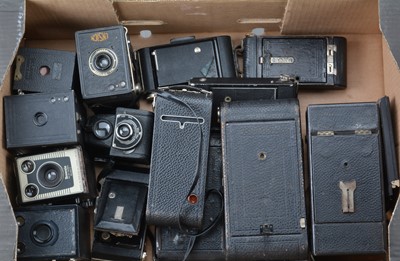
pixel 114 247
pixel 53 233
pixel 120 205
pixel 317 62
pixel 133 133
pixel 59 174
pixel 42 70
pixel 186 58
pixel 105 66
pixel 42 120
pixel 99 132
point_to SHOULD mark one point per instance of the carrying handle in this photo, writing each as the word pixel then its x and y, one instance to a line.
pixel 183 39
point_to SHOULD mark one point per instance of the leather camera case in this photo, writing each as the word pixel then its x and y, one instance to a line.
pixel 179 159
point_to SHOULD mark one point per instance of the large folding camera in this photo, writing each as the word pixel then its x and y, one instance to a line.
pixel 179 159
pixel 105 66
pixel 186 58
pixel 114 247
pixel 265 215
pixel 172 244
pixel 318 62
pixel 120 205
pixel 127 134
pixel 55 175
pixel 42 120
pixel 53 233
pixel 346 179
pixel 242 89
pixel 42 70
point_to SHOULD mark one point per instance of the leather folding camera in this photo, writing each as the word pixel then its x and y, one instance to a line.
pixel 265 215
pixel 346 179
pixel 317 62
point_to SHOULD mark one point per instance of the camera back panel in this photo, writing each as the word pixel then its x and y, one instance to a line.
pixel 53 233
pixel 48 71
pixel 42 119
pixel 104 65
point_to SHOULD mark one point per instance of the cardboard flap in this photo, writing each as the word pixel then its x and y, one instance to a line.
pixel 60 19
pixel 182 16
pixel 12 26
pixel 389 11
pixel 8 227
pixel 331 17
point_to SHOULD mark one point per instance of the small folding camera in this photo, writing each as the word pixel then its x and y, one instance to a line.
pixel 185 58
pixel 120 205
pixel 105 66
pixel 42 70
pixel 53 233
pixel 54 175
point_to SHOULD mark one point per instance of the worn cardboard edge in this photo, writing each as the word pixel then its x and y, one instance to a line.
pixel 8 232
pixel 389 20
pixel 15 30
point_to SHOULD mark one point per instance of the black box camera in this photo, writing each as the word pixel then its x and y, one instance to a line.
pixel 99 132
pixel 53 233
pixel 186 58
pixel 42 120
pixel 54 175
pixel 42 70
pixel 120 205
pixel 105 66
pixel 133 134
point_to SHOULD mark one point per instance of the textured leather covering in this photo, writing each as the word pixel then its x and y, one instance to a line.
pixel 180 146
pixel 115 87
pixel 41 119
pixel 303 57
pixel 62 75
pixel 70 226
pixel 180 61
pixel 172 243
pixel 263 182
pixel 343 155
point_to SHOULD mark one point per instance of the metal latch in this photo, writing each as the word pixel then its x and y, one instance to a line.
pixel 325 133
pixel 266 229
pixel 347 195
pixel 331 49
pixel 363 132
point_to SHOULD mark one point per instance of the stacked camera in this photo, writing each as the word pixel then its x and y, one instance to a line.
pixel 214 171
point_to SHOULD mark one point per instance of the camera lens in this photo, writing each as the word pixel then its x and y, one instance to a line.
pixel 31 191
pixel 102 129
pixel 124 131
pixel 102 62
pixel 27 166
pixel 42 233
pixel 50 175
